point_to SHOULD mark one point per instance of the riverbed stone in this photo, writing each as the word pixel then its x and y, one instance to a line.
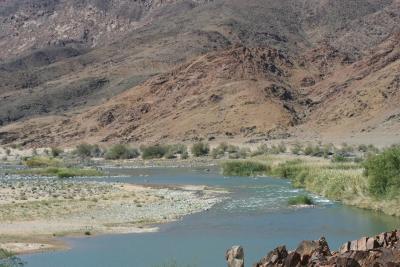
pixel 381 238
pixel 345 247
pixel 362 244
pixel 235 256
pixel 364 252
pixel 353 245
pixel 372 243
pixel 276 257
pixel 293 259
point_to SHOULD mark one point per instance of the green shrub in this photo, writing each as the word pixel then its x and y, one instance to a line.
pixel 55 152
pixel 200 149
pixel 5 254
pixel 219 151
pixel 244 168
pixel 185 155
pixel 121 152
pixel 261 150
pixel 42 162
pixel 308 150
pixel 8 152
pixel 383 172
pixel 170 155
pixel 241 153
pixel 339 158
pixel 234 152
pixel 174 150
pixel 87 150
pixel 281 148
pixel 296 149
pixel 8 259
pixel 300 200
pixel 153 152
pixel 363 148
pixel 328 150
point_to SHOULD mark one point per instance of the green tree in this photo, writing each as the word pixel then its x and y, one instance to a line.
pixel 383 172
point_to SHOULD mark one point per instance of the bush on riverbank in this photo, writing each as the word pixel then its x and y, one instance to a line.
pixel 233 152
pixel 383 172
pixel 121 152
pixel 176 149
pixel 200 149
pixel 42 162
pixel 244 168
pixel 5 254
pixel 8 259
pixel 153 152
pixel 87 150
pixel 55 151
pixel 300 200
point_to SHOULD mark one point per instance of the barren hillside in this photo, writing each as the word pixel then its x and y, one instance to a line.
pixel 150 71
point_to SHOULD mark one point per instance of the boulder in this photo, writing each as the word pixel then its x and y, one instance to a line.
pixel 235 257
pixel 381 238
pixel 380 251
pixel 277 257
pixel 345 247
pixel 372 243
pixel 353 245
pixel 362 244
pixel 292 260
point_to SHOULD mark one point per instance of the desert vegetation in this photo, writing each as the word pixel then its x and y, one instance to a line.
pixel 383 172
pixel 47 166
pixel 244 168
pixel 8 259
pixel 300 200
pixel 200 149
pixel 121 152
pixel 371 181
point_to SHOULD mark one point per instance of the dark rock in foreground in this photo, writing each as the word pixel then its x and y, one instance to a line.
pixel 381 250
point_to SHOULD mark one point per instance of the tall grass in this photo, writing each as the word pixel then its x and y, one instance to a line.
pixel 8 259
pixel 244 168
pixel 333 180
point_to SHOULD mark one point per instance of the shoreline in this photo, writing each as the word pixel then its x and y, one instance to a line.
pixel 34 224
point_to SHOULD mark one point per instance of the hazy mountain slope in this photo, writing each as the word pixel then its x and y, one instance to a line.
pixel 362 98
pixel 328 89
pixel 236 92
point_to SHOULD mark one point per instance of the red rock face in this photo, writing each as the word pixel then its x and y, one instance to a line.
pixel 381 250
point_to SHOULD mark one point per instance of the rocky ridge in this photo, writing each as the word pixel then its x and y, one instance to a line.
pixel 380 250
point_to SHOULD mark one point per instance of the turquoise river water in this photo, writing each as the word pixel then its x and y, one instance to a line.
pixel 255 215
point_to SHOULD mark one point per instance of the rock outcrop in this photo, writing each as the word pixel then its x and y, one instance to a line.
pixel 380 250
pixel 235 256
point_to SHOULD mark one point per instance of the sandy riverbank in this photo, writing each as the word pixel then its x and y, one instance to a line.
pixel 34 210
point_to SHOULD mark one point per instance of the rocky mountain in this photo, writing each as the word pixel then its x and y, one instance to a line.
pixel 150 71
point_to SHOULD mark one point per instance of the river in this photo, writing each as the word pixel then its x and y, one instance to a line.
pixel 254 214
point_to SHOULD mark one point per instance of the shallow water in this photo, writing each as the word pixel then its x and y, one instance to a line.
pixel 255 215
